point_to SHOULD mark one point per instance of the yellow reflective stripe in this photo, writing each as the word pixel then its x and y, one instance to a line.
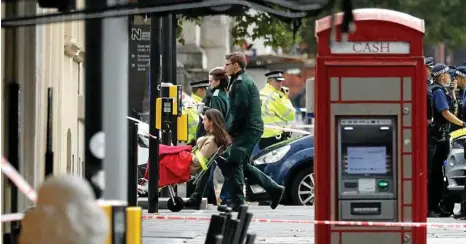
pixel 202 160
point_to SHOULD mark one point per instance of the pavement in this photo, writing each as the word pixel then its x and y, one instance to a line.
pixel 194 232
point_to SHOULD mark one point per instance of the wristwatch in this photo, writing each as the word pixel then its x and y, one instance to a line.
pixel 464 124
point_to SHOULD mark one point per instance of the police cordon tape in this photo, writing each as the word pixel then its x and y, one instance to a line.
pixel 18 180
pixel 289 129
pixel 148 217
pixel 12 217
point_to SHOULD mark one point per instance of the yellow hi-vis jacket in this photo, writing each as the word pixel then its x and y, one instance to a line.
pixel 193 121
pixel 196 98
pixel 277 110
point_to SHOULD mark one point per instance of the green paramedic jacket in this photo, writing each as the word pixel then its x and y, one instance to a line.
pixel 245 105
pixel 217 99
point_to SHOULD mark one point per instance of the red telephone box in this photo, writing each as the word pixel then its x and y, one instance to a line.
pixel 370 130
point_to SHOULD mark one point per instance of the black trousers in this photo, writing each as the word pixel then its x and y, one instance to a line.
pixel 435 181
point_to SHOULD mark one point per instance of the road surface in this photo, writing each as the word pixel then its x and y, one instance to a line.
pixel 193 232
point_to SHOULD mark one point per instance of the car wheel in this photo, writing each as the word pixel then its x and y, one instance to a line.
pixel 302 188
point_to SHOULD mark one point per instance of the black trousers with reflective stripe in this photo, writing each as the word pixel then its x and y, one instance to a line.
pixel 435 181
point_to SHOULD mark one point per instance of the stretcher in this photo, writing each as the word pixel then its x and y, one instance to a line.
pixel 176 203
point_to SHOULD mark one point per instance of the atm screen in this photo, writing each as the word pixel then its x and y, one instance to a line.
pixel 366 146
pixel 366 160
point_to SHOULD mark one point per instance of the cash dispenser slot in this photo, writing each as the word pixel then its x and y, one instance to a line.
pixel 367 166
pixel 366 208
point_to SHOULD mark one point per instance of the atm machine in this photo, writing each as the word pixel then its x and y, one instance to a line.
pixel 367 166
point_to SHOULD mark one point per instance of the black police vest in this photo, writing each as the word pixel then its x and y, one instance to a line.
pixel 441 126
pixel 430 108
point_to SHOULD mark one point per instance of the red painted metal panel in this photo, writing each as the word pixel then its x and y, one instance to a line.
pixel 407 67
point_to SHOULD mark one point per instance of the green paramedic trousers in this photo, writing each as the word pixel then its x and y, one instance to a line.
pixel 238 166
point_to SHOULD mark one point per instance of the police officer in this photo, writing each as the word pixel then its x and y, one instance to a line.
pixel 199 89
pixel 277 109
pixel 246 129
pixel 217 98
pixel 443 108
pixel 429 62
pixel 461 78
pixel 458 95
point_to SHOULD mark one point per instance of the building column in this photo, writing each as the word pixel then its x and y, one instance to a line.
pixel 191 55
pixel 9 72
pixel 26 69
pixel 215 39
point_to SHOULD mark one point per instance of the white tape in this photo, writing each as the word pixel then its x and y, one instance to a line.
pixel 18 180
pixel 12 217
pixel 288 129
pixel 143 128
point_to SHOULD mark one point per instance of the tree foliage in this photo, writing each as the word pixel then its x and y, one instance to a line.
pixel 444 22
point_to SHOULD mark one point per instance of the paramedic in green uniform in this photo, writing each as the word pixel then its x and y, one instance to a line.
pixel 216 97
pixel 246 129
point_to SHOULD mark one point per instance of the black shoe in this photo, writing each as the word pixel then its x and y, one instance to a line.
pixel 459 216
pixel 233 206
pixel 277 198
pixel 191 204
pixel 433 214
pixel 445 214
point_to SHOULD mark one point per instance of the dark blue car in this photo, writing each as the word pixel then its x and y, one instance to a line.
pixel 291 164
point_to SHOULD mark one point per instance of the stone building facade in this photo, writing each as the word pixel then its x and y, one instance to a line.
pixel 39 58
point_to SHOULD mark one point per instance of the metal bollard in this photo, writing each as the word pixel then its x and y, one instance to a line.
pixel 116 215
pixel 133 225
pixel 225 230
pixel 216 226
pixel 251 238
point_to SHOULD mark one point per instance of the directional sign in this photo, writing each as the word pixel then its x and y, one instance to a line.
pixel 139 63
pixel 140 48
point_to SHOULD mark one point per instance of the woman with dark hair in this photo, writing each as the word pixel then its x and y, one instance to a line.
pixel 177 163
pixel 215 137
pixel 217 97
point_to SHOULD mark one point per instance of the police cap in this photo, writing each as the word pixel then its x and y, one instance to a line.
pixel 429 61
pixel 461 71
pixel 439 69
pixel 277 75
pixel 200 84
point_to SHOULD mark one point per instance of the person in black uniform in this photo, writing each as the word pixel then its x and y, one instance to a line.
pixel 429 62
pixel 461 78
pixel 458 95
pixel 454 94
pixel 429 65
pixel 443 117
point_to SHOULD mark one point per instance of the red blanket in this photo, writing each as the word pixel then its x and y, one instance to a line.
pixel 174 165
